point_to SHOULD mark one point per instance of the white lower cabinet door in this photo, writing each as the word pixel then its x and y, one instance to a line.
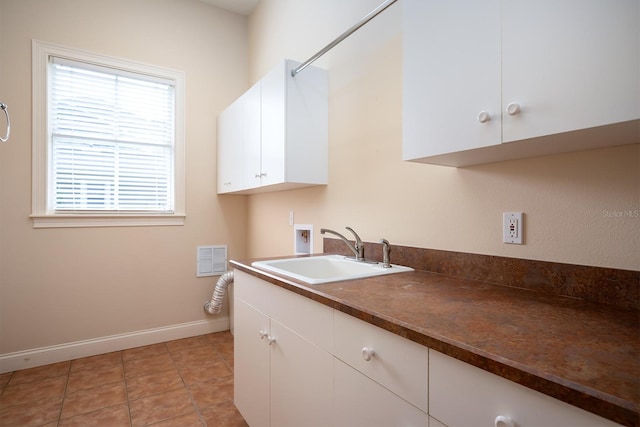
pixel 461 395
pixel 396 363
pixel 360 401
pixel 251 364
pixel 301 381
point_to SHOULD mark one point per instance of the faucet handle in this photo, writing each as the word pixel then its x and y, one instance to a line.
pixel 386 250
pixel 358 239
pixel 359 245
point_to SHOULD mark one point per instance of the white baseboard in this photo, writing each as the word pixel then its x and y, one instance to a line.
pixel 62 352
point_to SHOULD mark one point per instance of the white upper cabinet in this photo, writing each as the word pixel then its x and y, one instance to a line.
pixel 283 132
pixel 230 154
pixel 543 76
pixel 239 154
pixel 570 64
pixel 251 132
pixel 451 73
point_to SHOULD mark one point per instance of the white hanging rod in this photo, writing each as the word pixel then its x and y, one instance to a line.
pixel 344 35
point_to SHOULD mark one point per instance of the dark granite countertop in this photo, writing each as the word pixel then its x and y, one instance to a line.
pixel 580 352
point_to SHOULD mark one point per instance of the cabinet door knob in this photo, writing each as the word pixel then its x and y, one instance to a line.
pixel 270 340
pixel 502 421
pixel 367 353
pixel 513 109
pixel 263 334
pixel 484 117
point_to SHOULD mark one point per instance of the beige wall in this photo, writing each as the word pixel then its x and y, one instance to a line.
pixel 65 285
pixel 566 197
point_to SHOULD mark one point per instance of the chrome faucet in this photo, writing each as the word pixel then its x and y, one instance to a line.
pixel 357 249
pixel 386 250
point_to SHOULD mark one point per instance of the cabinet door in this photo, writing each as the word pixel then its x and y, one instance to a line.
pixel 451 73
pixel 571 64
pixel 462 395
pixel 301 381
pixel 273 126
pixel 230 140
pixel 306 127
pixel 306 318
pixel 252 150
pixel 360 401
pixel 396 363
pixel 251 364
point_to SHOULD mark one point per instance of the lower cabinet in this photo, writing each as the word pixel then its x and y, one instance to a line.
pixel 300 363
pixel 397 364
pixel 301 381
pixel 282 377
pixel 462 395
pixel 360 401
pixel 251 361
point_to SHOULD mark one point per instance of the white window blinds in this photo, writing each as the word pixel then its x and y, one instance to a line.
pixel 112 140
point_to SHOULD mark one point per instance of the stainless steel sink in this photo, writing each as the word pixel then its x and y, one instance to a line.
pixel 326 268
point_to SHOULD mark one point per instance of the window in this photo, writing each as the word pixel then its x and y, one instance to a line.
pixel 108 141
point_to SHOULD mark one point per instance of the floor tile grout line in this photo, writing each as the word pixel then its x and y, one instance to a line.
pixel 92 411
pixel 183 387
pixel 186 388
pixel 126 389
pixel 64 395
pixel 6 386
pixel 218 356
pixel 67 392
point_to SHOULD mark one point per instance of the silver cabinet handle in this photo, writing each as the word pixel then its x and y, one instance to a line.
pixel 264 334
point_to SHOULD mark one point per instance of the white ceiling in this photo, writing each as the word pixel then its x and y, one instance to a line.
pixel 243 7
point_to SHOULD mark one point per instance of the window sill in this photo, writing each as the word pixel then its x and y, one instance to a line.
pixel 100 220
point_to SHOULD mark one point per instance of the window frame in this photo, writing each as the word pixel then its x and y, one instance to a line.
pixel 42 218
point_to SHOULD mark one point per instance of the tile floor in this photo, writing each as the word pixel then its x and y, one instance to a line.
pixel 183 383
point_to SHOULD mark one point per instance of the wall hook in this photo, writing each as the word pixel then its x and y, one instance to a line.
pixel 3 106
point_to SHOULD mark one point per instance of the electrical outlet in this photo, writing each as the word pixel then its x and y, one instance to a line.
pixel 512 227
